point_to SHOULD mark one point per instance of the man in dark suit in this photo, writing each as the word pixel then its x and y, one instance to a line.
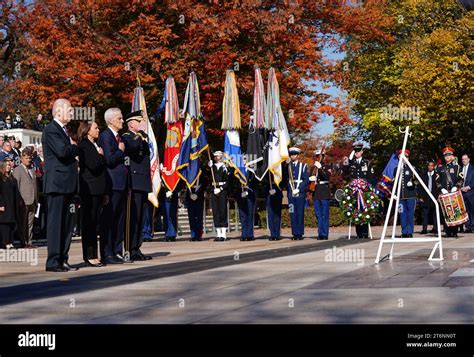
pixel 427 205
pixel 468 191
pixel 113 214
pixel 137 150
pixel 60 183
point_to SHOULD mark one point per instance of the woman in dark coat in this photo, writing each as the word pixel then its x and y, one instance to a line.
pixel 91 189
pixel 9 198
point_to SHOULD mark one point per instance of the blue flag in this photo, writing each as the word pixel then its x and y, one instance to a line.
pixel 233 155
pixel 194 139
pixel 384 185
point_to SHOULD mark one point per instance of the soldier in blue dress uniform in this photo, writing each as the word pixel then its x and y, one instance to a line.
pixel 298 179
pixel 321 195
pixel 407 203
pixel 246 201
pixel 170 207
pixel 195 204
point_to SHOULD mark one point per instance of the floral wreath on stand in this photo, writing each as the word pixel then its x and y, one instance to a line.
pixel 360 202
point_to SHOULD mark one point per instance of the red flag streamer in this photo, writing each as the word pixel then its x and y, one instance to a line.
pixel 174 137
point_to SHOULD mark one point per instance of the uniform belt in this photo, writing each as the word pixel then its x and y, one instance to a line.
pixel 221 183
pixel 323 182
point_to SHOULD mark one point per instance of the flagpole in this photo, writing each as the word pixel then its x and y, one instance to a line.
pixel 212 168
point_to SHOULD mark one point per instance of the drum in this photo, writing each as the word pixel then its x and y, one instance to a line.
pixel 454 209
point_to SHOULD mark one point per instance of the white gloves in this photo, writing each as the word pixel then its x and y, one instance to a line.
pixel 444 191
pixel 296 192
pixel 244 194
pixel 161 166
pixel 169 194
pixel 454 189
pixel 409 184
pixel 351 156
pixel 272 192
pixel 210 163
pixel 318 164
pixel 217 191
pixel 194 196
pixel 312 178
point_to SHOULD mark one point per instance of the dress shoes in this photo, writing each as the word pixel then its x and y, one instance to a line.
pixel 141 257
pixel 57 269
pixel 113 260
pixel 67 266
pixel 170 239
pixel 424 231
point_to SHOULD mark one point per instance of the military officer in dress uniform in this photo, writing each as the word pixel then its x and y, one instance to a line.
pixel 138 152
pixel 219 196
pixel 450 179
pixel 298 179
pixel 360 168
pixel 195 205
pixel 246 201
pixel 321 195
pixel 407 198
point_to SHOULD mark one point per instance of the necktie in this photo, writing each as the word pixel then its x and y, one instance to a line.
pixel 117 138
pixel 464 172
pixel 430 182
pixel 29 172
pixel 65 130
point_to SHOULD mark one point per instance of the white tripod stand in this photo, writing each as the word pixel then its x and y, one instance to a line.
pixel 396 197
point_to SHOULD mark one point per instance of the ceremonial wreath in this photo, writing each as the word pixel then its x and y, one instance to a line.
pixel 360 202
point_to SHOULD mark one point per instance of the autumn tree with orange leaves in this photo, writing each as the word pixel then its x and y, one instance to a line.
pixel 90 52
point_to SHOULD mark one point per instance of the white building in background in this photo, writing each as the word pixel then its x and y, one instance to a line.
pixel 26 136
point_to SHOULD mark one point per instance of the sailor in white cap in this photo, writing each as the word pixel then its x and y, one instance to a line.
pixel 298 179
pixel 219 196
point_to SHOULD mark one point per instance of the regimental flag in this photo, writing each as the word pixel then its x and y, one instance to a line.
pixel 385 184
pixel 138 103
pixel 195 140
pixel 231 122
pixel 257 143
pixel 174 136
pixel 279 137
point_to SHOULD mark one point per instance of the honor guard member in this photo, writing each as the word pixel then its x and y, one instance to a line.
pixel 274 200
pixel 360 168
pixel 246 201
pixel 138 153
pixel 170 219
pixel 298 179
pixel 321 195
pixel 219 196
pixel 195 205
pixel 450 179
pixel 407 198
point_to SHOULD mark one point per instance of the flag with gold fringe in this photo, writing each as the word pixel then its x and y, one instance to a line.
pixel 174 136
pixel 231 123
pixel 195 139
pixel 279 137
pixel 257 142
